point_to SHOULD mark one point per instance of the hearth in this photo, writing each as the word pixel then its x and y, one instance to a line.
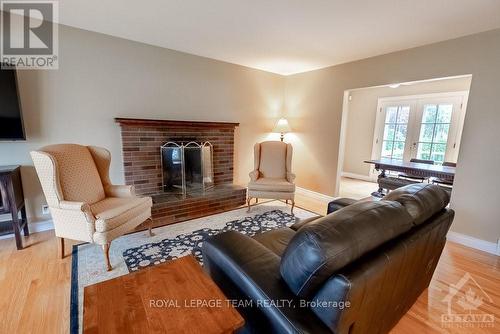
pixel 208 186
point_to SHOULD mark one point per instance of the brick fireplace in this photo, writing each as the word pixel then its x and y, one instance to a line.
pixel 141 142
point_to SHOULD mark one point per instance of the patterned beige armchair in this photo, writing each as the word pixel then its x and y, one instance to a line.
pixel 272 176
pixel 84 204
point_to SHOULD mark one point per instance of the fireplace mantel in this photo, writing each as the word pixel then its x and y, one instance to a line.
pixel 174 123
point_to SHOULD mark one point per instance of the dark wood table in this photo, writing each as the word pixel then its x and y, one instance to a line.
pixel 12 201
pixel 175 297
pixel 413 168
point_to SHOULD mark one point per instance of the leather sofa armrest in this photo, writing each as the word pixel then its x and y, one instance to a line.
pixel 254 175
pixel 112 190
pixel 303 222
pixel 339 203
pixel 247 271
pixel 237 250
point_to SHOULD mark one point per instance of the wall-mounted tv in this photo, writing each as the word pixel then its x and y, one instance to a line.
pixel 11 120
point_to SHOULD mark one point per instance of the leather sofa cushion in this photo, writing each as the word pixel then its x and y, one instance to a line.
pixel 321 248
pixel 421 200
pixel 276 240
pixel 270 184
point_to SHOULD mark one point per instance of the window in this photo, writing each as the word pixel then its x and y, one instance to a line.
pixel 395 131
pixel 434 130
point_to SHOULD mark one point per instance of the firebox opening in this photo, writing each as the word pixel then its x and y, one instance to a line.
pixel 187 167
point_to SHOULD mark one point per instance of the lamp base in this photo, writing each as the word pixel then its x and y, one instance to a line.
pixel 282 136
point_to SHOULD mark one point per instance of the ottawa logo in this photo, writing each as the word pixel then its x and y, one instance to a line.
pixel 464 301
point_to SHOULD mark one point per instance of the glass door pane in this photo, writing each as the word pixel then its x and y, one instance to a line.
pixel 434 130
pixel 395 131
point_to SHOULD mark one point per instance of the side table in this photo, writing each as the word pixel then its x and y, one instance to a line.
pixel 12 201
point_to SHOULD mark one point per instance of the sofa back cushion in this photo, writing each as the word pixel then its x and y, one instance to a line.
pixel 421 200
pixel 273 159
pixel 328 244
pixel 78 175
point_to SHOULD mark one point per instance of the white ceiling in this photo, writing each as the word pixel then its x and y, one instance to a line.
pixel 283 36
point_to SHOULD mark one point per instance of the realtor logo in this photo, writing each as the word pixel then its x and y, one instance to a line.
pixel 29 34
pixel 464 300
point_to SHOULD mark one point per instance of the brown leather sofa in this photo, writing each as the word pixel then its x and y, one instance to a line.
pixel 356 270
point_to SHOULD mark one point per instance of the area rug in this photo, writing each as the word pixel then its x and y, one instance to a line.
pixel 135 251
pixel 172 248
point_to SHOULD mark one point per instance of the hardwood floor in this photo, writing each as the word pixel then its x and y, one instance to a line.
pixel 35 286
pixel 357 189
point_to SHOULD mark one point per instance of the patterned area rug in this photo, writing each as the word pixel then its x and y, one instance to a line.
pixel 134 251
pixel 169 249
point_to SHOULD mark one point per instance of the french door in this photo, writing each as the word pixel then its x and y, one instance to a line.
pixel 425 127
pixel 439 123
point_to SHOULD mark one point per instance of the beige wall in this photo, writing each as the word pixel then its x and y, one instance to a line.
pixel 363 110
pixel 314 102
pixel 102 77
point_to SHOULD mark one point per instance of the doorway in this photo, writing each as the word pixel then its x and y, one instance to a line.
pixel 421 119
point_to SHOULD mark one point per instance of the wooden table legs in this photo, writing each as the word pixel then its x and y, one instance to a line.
pixel 12 201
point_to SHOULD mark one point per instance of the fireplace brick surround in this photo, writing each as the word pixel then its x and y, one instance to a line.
pixel 141 142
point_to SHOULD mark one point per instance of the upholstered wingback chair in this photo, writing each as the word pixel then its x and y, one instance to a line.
pixel 272 176
pixel 84 204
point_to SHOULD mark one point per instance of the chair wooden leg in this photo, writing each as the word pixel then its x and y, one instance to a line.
pixel 150 227
pixel 286 201
pixel 248 203
pixel 293 205
pixel 256 201
pixel 60 246
pixel 105 248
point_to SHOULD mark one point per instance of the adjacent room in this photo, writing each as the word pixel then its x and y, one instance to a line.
pixel 249 166
pixel 419 122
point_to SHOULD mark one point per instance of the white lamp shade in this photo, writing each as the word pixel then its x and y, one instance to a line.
pixel 282 126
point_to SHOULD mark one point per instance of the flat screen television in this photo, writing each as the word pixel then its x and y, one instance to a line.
pixel 11 119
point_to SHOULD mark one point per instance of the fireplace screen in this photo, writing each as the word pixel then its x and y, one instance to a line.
pixel 187 167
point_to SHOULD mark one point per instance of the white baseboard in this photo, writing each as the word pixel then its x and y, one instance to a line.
pixel 483 245
pixel 358 176
pixel 44 225
pixel 40 226
pixel 313 195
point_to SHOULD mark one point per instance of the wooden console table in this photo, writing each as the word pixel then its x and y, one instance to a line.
pixel 12 201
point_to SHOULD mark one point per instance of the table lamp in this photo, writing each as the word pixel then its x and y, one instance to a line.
pixel 282 127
